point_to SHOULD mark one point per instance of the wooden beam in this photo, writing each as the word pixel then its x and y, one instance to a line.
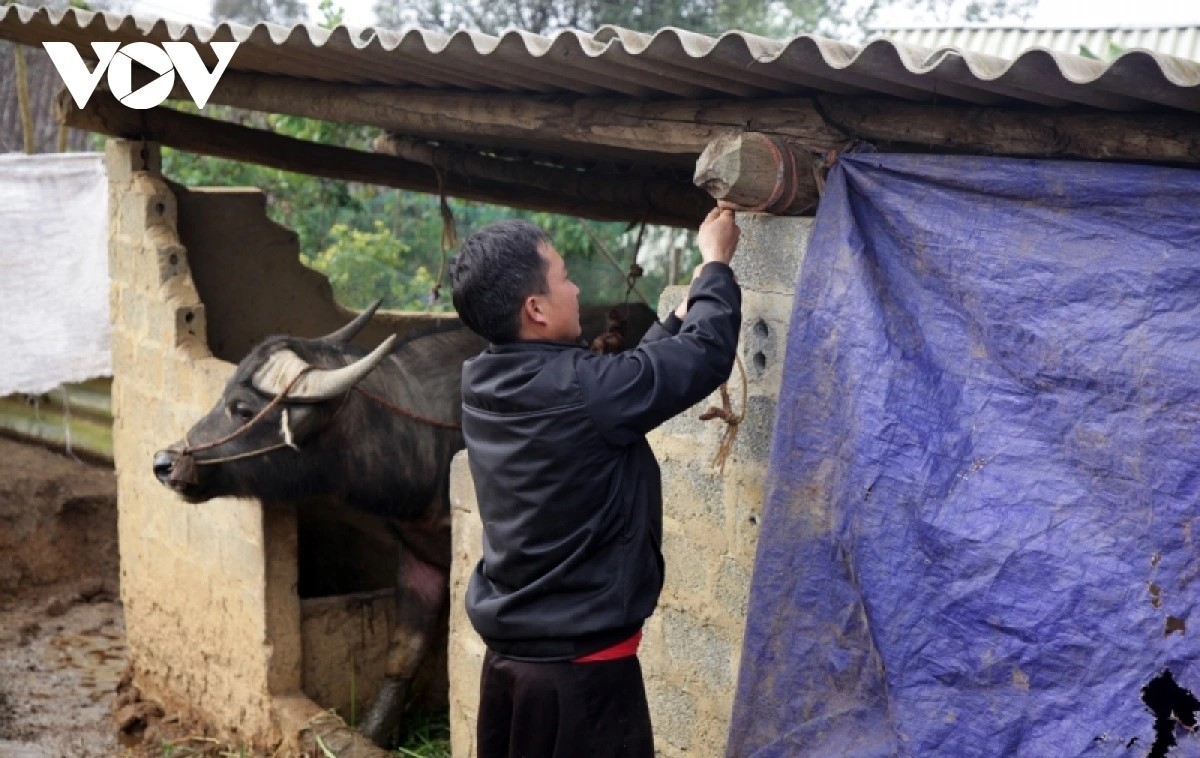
pixel 768 173
pixel 608 127
pixel 759 172
pixel 548 124
pixel 633 197
pixel 1093 135
pixel 622 186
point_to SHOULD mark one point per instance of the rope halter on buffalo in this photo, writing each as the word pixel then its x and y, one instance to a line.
pixel 185 467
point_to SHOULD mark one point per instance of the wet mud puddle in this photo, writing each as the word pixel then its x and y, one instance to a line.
pixel 60 661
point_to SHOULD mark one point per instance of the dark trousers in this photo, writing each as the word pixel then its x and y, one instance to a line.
pixel 563 710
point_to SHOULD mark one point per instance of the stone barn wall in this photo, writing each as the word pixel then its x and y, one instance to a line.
pixel 692 644
pixel 216 626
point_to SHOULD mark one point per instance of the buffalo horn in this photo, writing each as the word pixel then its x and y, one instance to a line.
pixel 319 384
pixel 348 332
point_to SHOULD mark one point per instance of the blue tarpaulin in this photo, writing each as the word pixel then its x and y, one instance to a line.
pixel 979 536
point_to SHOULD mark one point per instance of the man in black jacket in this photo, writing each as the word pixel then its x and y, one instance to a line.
pixel 568 488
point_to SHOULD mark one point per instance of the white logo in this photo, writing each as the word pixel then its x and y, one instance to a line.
pixel 172 57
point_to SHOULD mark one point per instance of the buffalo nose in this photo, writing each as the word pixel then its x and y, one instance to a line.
pixel 164 464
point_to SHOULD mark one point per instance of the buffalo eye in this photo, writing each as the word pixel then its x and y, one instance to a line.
pixel 241 411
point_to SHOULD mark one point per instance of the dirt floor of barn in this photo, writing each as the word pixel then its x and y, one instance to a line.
pixel 62 635
pixel 62 631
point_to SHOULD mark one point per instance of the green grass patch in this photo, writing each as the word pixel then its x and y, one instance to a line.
pixel 428 737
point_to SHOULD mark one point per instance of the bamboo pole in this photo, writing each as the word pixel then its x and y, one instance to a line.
pixel 77 419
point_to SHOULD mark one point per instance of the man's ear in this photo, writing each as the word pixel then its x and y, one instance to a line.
pixel 531 310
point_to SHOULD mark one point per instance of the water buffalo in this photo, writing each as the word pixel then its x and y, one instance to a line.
pixel 370 434
pixel 365 435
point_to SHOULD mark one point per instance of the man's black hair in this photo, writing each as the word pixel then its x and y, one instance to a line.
pixel 492 274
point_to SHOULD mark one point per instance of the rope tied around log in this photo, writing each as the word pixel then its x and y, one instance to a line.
pixel 786 187
pixel 820 169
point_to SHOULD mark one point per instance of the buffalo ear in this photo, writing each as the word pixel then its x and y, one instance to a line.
pixel 300 423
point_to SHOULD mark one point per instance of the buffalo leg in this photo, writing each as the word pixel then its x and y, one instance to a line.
pixel 422 593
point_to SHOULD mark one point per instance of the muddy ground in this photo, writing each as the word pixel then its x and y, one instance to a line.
pixel 62 649
pixel 63 689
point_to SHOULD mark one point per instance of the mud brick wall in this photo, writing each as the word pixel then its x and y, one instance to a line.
pixel 193 579
pixel 216 628
pixel 692 644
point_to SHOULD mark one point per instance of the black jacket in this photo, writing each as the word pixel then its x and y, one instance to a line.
pixel 568 489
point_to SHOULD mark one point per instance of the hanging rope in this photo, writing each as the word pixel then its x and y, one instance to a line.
pixel 612 340
pixel 635 271
pixel 633 288
pixel 820 169
pixel 449 235
pixel 732 420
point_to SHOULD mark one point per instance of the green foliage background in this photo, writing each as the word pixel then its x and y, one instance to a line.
pixel 376 242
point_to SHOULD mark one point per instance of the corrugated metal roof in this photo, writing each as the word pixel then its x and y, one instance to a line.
pixel 670 63
pixel 1010 41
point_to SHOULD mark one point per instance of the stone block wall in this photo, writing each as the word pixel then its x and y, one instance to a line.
pixel 216 627
pixel 693 642
pixel 194 581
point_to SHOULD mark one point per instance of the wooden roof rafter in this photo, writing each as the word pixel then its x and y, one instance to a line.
pixel 658 197
pixel 613 159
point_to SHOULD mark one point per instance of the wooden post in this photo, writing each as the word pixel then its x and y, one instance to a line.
pixel 759 172
pixel 26 110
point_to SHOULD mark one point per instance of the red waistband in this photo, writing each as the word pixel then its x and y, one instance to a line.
pixel 622 649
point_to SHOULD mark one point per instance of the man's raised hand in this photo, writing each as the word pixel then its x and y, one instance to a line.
pixel 718 237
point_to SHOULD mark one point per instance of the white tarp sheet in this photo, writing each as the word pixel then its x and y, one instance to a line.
pixel 54 324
